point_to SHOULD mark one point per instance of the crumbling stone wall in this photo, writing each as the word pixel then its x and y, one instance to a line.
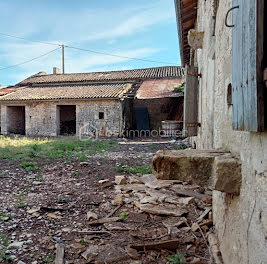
pixel 240 221
pixel 42 118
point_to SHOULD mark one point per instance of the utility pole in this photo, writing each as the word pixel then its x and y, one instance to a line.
pixel 63 59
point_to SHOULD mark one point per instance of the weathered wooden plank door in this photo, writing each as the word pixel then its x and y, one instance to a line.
pixel 246 51
pixel 191 101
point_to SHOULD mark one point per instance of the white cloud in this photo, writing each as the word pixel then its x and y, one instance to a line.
pixel 75 61
pixel 118 26
pixel 133 24
pixel 82 61
pixel 83 23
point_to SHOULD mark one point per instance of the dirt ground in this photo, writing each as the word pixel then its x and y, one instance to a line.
pixel 58 205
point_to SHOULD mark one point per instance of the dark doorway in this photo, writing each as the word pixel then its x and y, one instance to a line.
pixel 16 120
pixel 67 119
pixel 142 119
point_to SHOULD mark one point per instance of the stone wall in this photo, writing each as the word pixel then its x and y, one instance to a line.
pixel 240 221
pixel 42 118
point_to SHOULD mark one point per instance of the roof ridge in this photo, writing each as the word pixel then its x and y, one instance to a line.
pixel 126 75
pixel 128 70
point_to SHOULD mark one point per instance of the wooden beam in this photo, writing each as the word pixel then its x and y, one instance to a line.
pixel 188 4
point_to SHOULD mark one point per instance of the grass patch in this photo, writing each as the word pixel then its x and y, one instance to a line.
pixel 49 259
pixel 20 201
pixel 124 216
pixel 5 217
pixel 153 146
pixel 29 166
pixel 177 259
pixel 76 174
pixel 39 179
pixel 181 146
pixel 4 174
pixel 142 169
pixel 83 242
pixel 28 149
pixel 4 243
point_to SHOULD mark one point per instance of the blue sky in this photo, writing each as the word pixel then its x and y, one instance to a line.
pixel 137 28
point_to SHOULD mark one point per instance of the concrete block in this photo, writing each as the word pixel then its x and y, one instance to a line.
pixel 226 176
pixel 217 170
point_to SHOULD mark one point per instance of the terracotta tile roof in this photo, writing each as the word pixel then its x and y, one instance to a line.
pixel 4 91
pixel 125 75
pixel 68 91
pixel 158 89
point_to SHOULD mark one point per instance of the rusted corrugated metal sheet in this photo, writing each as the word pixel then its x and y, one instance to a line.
pixel 7 90
pixel 158 89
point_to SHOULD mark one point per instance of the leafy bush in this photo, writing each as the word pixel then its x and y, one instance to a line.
pixel 179 88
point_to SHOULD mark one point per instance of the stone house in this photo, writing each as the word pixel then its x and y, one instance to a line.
pixel 81 103
pixel 221 45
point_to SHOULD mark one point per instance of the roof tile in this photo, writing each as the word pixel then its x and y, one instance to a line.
pixel 125 75
pixel 68 91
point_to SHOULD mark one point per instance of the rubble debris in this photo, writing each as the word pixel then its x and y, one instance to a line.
pixel 168 244
pixel 15 244
pixel 94 232
pixel 166 215
pixel 135 180
pixel 115 210
pixel 189 193
pixel 118 200
pixel 194 227
pixel 45 209
pixel 205 213
pixel 172 222
pixel 84 164
pixel 195 261
pixel 161 210
pixel 115 227
pixel 105 183
pixel 214 246
pixel 33 210
pixel 104 254
pixel 91 215
pixel 151 181
pixel 133 253
pixel 105 220
pixel 186 201
pixel 120 180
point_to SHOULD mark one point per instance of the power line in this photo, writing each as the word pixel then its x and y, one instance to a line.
pixel 119 56
pixel 92 51
pixel 15 65
pixel 36 41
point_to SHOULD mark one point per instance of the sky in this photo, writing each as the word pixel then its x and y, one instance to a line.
pixel 136 28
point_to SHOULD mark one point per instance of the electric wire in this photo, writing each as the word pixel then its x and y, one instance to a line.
pixel 29 40
pixel 35 58
pixel 89 50
pixel 119 56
